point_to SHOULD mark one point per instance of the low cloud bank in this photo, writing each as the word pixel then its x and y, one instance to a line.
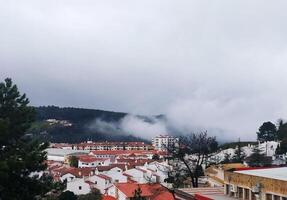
pixel 143 127
pixel 228 119
pixel 148 127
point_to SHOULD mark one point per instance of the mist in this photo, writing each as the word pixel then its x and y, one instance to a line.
pixel 145 128
pixel 218 66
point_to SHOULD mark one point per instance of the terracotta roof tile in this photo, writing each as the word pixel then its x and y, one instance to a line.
pixel 104 176
pixel 107 197
pixel 154 191
pixel 90 159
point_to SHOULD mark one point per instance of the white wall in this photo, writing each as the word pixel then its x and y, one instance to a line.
pixel 87 164
pixel 121 196
pixel 56 158
pixel 158 169
pixel 78 186
pixel 116 174
pixel 69 177
pixel 112 191
pixel 137 175
pixel 100 183
pixel 94 164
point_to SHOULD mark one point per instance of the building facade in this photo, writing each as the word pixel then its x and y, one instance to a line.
pixel 257 184
pixel 161 142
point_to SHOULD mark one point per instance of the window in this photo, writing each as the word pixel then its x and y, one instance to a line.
pixel 80 187
pixel 276 197
pixel 96 182
pixel 268 196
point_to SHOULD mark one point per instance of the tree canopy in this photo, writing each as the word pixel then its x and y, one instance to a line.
pixel 94 195
pixel 267 132
pixel 239 154
pixel 258 159
pixel 73 161
pixel 282 130
pixel 19 156
pixel 67 195
pixel 188 155
pixel 138 194
pixel 282 148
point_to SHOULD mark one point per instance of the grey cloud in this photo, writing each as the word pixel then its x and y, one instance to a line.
pixel 217 65
pixel 131 125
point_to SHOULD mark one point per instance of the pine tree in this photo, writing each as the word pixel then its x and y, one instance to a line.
pixel 257 158
pixel 267 132
pixel 239 154
pixel 73 161
pixel 19 156
pixel 282 130
pixel 282 148
pixel 226 159
pixel 138 194
pixel 155 157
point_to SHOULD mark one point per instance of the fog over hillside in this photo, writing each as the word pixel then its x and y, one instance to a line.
pixel 101 124
pixel 206 65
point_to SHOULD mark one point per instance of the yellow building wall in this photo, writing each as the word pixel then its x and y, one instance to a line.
pixel 268 185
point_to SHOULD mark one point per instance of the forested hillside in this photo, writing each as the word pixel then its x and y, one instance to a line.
pixel 72 125
pixel 76 115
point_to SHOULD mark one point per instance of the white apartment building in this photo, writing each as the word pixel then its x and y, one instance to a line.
pixel 162 141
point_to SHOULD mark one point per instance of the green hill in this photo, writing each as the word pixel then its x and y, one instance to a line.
pixel 73 125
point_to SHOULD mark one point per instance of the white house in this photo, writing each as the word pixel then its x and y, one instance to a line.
pixel 115 192
pixel 138 175
pixel 90 161
pixel 79 186
pixel 116 175
pixel 101 182
pixel 158 170
pixel 105 154
pixel 61 154
pixel 67 177
pixel 279 161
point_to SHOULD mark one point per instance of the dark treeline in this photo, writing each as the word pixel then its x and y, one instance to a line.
pixel 269 131
pixel 233 145
pixel 77 115
pixel 79 131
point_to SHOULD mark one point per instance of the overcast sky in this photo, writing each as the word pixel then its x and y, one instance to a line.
pixel 218 65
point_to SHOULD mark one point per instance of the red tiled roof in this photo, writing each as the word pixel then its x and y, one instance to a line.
pixel 134 161
pixel 104 176
pixel 59 170
pixel 129 188
pixel 142 170
pixel 123 152
pixel 121 166
pixel 90 182
pixel 90 159
pixel 78 172
pixel 163 195
pixel 104 168
pixel 154 191
pixel 108 197
pixel 111 166
pixel 60 145
pixel 140 144
pixel 127 175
